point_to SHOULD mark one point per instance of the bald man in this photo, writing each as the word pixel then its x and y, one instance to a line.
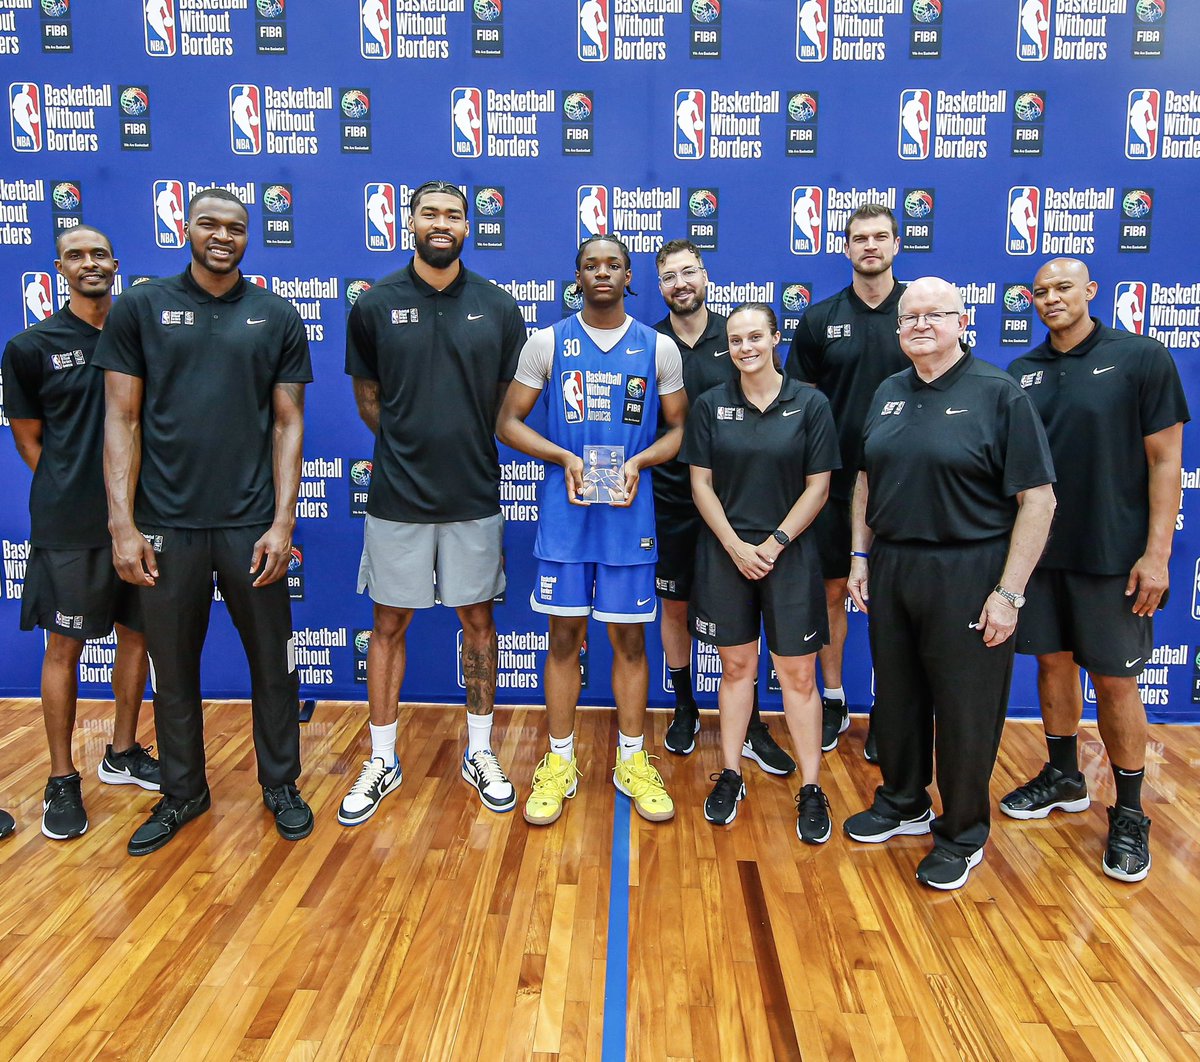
pixel 1114 411
pixel 951 510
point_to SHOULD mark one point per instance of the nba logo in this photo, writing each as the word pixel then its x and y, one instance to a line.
pixel 1033 30
pixel 25 106
pixel 806 220
pixel 812 30
pixel 1023 220
pixel 593 211
pixel 574 406
pixel 1141 124
pixel 593 30
pixel 168 214
pixel 255 278
pixel 379 206
pixel 245 120
pixel 915 116
pixel 466 123
pixel 690 124
pixel 1129 306
pixel 38 292
pixel 159 16
pixel 375 30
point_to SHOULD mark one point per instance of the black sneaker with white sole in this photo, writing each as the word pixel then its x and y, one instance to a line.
pixel 1127 853
pixel 721 805
pixel 812 815
pixel 835 721
pixel 1050 790
pixel 681 734
pixel 870 827
pixel 293 817
pixel 944 869
pixel 63 814
pixel 483 771
pixel 760 747
pixel 134 766
pixel 7 824
pixel 375 781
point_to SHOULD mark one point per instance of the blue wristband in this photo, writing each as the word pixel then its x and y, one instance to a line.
pixel 856 553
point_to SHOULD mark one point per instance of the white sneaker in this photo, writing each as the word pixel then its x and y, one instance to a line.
pixel 483 771
pixel 374 783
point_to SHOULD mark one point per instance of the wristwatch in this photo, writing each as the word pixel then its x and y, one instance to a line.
pixel 780 536
pixel 1016 600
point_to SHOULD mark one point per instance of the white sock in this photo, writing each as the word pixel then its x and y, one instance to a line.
pixel 479 733
pixel 564 747
pixel 628 747
pixel 383 743
pixel 834 693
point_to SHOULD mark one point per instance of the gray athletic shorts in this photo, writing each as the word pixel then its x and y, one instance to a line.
pixel 401 561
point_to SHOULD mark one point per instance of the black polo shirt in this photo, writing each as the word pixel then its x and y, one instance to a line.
pixel 705 365
pixel 441 359
pixel 760 460
pixel 945 460
pixel 1098 402
pixel 209 367
pixel 48 376
pixel 846 349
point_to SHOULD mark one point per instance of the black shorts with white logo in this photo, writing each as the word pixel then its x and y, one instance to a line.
pixel 831 532
pixel 1088 616
pixel 77 593
pixel 789 604
pixel 675 570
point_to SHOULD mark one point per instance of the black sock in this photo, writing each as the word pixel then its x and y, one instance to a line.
pixel 755 714
pixel 1129 787
pixel 1064 756
pixel 681 680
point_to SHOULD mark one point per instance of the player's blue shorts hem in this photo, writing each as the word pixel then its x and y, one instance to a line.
pixel 612 593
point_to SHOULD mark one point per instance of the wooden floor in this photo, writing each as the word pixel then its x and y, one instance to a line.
pixel 441 931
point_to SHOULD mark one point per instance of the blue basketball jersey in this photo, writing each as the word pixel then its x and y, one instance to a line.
pixel 606 400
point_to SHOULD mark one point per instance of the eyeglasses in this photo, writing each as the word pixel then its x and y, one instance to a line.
pixel 933 318
pixel 669 280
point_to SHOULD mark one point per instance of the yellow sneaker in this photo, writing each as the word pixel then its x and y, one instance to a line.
pixel 554 781
pixel 639 778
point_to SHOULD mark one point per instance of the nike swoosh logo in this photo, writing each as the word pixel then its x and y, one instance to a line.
pixel 251 320
pixel 647 601
pixel 1130 663
pixel 474 316
pixel 1097 372
pixel 638 351
pixel 718 353
pixel 950 411
pixel 810 637
pixel 789 412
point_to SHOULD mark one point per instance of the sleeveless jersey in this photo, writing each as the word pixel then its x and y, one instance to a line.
pixel 604 400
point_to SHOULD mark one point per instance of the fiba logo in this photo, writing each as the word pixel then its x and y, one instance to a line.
pixel 690 124
pixel 927 11
pixel 38 294
pixel 577 107
pixel 379 210
pixel 802 107
pixel 636 388
pixel 574 404
pixel 1141 124
pixel 278 199
pixel 592 211
pixel 67 196
pixel 360 473
pixel 812 30
pixel 1150 10
pixel 159 19
pixel 915 117
pixel 1029 107
pixel 135 101
pixel 702 203
pixel 245 120
pixel 355 104
pixel 1024 220
pixel 1033 30
pixel 572 298
pixel 55 8
pixel 25 106
pixel 918 203
pixel 375 30
pixel 1129 306
pixel 355 288
pixel 1137 203
pixel 806 220
pixel 362 642
pixel 593 46
pixel 168 214
pixel 796 298
pixel 466 123
pixel 706 11
pixel 1018 298
pixel 270 8
pixel 486 10
pixel 489 202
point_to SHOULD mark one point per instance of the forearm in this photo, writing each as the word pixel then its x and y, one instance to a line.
pixel 30 453
pixel 861 536
pixel 122 466
pixel 804 512
pixel 366 397
pixel 1030 531
pixel 287 445
pixel 713 513
pixel 1164 478
pixel 515 433
pixel 662 449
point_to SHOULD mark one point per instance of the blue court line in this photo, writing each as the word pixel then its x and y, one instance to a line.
pixel 616 961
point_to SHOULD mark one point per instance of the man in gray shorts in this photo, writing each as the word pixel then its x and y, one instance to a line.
pixel 431 349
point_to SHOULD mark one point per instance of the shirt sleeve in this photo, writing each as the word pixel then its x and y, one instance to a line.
pixel 697 436
pixel 536 360
pixel 22 384
pixel 824 451
pixel 515 335
pixel 361 358
pixel 1027 461
pixel 804 355
pixel 668 365
pixel 1161 400
pixel 120 345
pixel 295 361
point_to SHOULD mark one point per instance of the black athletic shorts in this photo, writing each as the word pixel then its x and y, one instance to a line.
pixel 831 531
pixel 676 567
pixel 1088 616
pixel 77 593
pixel 789 604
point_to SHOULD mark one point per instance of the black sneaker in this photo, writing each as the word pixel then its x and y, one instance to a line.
pixel 293 817
pixel 944 869
pixel 1127 853
pixel 63 815
pixel 722 802
pixel 7 824
pixel 812 815
pixel 872 828
pixel 681 734
pixel 835 721
pixel 167 816
pixel 1041 795
pixel 760 747
pixel 870 750
pixel 134 766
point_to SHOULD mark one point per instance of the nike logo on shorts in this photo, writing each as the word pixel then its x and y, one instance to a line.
pixel 474 316
pixel 789 412
pixel 1097 372
pixel 251 320
pixel 950 411
pixel 810 637
pixel 644 602
pixel 1130 663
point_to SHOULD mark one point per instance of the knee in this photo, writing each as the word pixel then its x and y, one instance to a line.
pixel 62 651
pixel 1117 693
pixel 478 626
pixel 738 668
pixel 566 639
pixel 628 642
pixel 390 624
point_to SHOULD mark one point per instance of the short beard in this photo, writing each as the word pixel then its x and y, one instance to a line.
pixel 438 257
pixel 696 307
